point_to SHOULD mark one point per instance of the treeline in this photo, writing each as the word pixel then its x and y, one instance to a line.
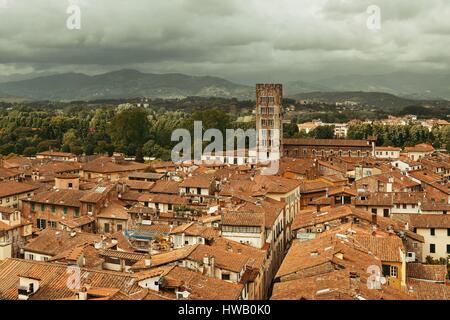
pixel 402 136
pixel 93 129
pixel 320 132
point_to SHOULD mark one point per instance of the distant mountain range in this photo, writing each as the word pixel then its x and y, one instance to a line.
pixel 122 84
pixel 404 84
pixel 131 84
pixel 374 99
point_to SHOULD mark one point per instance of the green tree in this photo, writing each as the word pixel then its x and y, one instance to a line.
pixel 129 130
pixel 323 132
pixel 29 151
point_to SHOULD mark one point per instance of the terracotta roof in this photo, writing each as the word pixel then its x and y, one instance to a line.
pixel 249 219
pixel 55 154
pixel 256 257
pixel 327 142
pixel 77 222
pixel 139 185
pixel 430 221
pixel 166 258
pixel 131 196
pixel 276 184
pixel 9 188
pixel 430 272
pixel 423 147
pixel 202 287
pixel 56 167
pixel 106 165
pixel 114 210
pixel 224 259
pixel 163 186
pixel 51 241
pixel 314 186
pixel 387 249
pixel 338 285
pixel 132 256
pixel 162 198
pixel 145 175
pixel 425 290
pixel 63 197
pixel 343 190
pixel 54 278
pixel 163 164
pixel 194 229
pixel 425 176
pixel 199 181
pixel 8 173
pixel 321 255
pixel 435 206
pixel 381 199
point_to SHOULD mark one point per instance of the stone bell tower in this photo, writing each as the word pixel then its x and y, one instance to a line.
pixel 269 121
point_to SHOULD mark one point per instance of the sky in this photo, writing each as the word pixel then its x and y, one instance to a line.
pixel 244 41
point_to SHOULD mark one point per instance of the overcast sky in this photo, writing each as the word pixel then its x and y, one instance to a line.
pixel 241 40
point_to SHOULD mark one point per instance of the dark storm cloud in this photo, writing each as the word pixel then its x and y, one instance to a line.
pixel 241 40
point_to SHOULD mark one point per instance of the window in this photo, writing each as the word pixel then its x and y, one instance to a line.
pixel 53 209
pixel 76 212
pixel 106 227
pixel 415 245
pixel 393 271
pixel 448 232
pixel 374 210
pixel 42 207
pixel 432 232
pixel 52 224
pixel 448 248
pixel 225 276
pixel 65 210
pixel 432 248
pixel 119 227
pixel 41 223
pixel 385 212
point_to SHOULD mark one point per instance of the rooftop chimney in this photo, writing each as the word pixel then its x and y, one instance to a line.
pixel 82 294
pixel 332 202
pixel 28 286
pixel 212 267
pixel 374 219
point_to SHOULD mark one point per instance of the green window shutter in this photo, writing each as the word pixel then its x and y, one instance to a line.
pixel 77 212
pixel 42 207
pixel 53 209
pixel 33 207
pixel 65 210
